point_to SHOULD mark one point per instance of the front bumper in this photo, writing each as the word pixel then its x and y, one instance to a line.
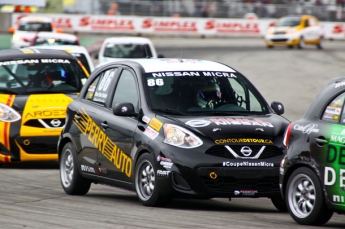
pixel 30 148
pixel 199 174
pixel 282 39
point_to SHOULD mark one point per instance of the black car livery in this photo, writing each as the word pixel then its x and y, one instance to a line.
pixel 173 128
pixel 312 175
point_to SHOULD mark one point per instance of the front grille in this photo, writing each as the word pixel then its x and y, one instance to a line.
pixel 221 151
pixel 279 33
pixel 38 145
pixel 231 184
pixel 280 40
pixel 46 123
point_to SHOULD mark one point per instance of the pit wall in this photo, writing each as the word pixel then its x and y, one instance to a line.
pixel 167 26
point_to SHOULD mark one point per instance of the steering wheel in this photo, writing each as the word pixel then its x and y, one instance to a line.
pixel 239 100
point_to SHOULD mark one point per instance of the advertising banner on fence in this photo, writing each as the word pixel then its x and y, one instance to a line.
pixel 173 25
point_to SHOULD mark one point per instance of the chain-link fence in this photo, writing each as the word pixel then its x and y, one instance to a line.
pixel 334 10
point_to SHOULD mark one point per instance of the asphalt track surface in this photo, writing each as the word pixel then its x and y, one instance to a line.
pixel 31 195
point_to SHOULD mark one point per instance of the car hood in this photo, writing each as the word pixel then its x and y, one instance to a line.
pixel 215 127
pixel 42 106
pixel 25 34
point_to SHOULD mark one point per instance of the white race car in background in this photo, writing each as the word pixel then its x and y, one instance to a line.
pixel 80 52
pixel 26 28
pixel 121 48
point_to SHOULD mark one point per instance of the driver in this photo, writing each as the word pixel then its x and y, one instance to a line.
pixel 209 95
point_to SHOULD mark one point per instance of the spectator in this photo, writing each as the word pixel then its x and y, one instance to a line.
pixel 198 7
pixel 27 9
pixel 341 3
pixel 212 8
pixel 113 9
pixel 17 9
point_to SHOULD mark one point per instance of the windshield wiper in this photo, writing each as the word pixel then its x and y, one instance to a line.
pixel 7 91
pixel 169 111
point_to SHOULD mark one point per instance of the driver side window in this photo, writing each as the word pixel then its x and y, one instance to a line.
pixel 126 90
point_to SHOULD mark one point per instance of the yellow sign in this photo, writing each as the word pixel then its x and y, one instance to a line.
pixel 68 2
pixel 156 124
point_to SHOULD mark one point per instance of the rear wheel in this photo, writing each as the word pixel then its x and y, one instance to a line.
pixel 146 185
pixel 305 199
pixel 72 182
pixel 279 203
pixel 319 45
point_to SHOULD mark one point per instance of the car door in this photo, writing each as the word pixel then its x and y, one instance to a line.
pixel 331 153
pixel 311 31
pixel 88 119
pixel 118 163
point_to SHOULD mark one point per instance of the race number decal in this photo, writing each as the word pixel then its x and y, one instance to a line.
pixel 155 82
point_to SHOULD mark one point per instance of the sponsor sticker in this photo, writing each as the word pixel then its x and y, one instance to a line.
pixel 198 123
pixel 243 140
pixel 248 164
pixel 156 124
pixel 151 133
pixel 166 164
pixel 146 119
pixel 245 192
pixel 163 173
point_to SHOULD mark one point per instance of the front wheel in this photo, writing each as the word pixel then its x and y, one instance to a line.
pixel 305 199
pixel 301 44
pixel 72 182
pixel 146 185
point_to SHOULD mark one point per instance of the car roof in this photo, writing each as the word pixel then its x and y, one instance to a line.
pixel 35 19
pixel 27 53
pixel 168 64
pixel 127 40
pixel 57 35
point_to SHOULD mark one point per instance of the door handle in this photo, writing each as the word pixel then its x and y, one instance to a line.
pixel 104 125
pixel 321 141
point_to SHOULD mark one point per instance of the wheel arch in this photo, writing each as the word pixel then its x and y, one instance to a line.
pixel 293 168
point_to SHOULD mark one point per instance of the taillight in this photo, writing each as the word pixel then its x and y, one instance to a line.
pixel 287 135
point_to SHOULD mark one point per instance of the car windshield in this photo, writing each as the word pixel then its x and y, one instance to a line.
pixel 32 76
pixel 36 27
pixel 127 50
pixel 200 93
pixel 290 22
pixel 54 41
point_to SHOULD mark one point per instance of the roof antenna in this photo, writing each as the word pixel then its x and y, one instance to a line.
pixel 147 53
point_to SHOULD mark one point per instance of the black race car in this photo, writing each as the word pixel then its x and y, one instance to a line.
pixel 312 174
pixel 173 128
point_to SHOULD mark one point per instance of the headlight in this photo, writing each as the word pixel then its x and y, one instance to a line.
pixel 180 137
pixel 15 37
pixel 7 114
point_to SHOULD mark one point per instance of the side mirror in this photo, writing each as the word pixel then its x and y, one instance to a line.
pixel 278 107
pixel 11 30
pixel 160 56
pixel 124 109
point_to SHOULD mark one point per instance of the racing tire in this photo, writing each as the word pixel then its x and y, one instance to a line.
pixel 146 185
pixel 72 182
pixel 319 45
pixel 279 203
pixel 305 199
pixel 269 46
pixel 290 46
pixel 301 44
